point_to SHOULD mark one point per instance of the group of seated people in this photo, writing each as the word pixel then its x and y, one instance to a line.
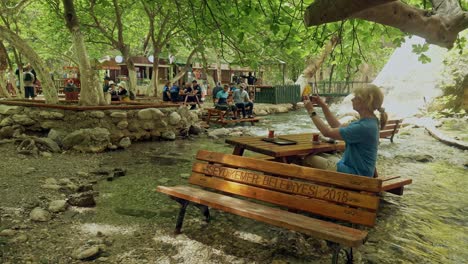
pixel 116 92
pixel 190 93
pixel 232 99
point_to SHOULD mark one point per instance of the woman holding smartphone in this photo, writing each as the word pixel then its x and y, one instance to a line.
pixel 361 136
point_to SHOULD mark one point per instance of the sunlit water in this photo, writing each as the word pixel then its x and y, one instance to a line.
pixel 428 224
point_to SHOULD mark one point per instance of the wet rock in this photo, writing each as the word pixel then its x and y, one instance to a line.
pixel 169 135
pixel 49 144
pixel 88 140
pixel 174 118
pixel 82 174
pixel 39 215
pixel 6 122
pixel 125 142
pixel 7 132
pixel 8 233
pixel 85 188
pixel 46 154
pixel 219 132
pixel 23 120
pixel 97 114
pixel 122 124
pixel 85 199
pixel 58 206
pixel 119 115
pixel 9 109
pixel 86 253
pixel 51 115
pixel 195 129
pixel 21 238
pixel 56 136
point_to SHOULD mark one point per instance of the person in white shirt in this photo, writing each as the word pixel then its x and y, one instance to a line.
pixel 242 100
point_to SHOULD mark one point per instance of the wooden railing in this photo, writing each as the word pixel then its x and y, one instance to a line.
pixel 336 89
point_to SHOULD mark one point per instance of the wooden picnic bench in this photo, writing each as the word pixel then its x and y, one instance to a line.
pixel 391 128
pixel 224 117
pixel 290 197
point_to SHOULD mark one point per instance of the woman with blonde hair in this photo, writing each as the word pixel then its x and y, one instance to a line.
pixel 361 136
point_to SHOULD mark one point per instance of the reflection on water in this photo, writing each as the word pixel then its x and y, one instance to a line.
pixel 428 224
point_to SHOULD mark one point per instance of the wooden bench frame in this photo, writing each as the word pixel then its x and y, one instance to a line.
pixel 289 188
pixel 220 117
pixel 391 128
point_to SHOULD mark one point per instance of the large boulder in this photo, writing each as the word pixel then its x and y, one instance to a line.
pixel 9 109
pixel 174 118
pixel 150 113
pixel 23 120
pixel 88 140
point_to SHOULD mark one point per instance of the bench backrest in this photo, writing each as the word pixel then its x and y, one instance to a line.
pixel 392 127
pixel 330 194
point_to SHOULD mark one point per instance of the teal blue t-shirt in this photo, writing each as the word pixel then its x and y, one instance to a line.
pixel 362 140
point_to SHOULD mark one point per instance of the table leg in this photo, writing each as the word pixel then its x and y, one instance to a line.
pixel 238 150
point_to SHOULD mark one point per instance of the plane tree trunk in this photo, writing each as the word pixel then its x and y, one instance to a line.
pixel 48 87
pixel 439 26
pixel 91 91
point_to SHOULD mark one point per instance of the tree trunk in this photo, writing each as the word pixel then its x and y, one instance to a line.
pixel 3 89
pixel 440 27
pixel 155 79
pixel 91 92
pixel 48 87
pixel 209 77
pixel 132 76
pixel 218 67
pixel 186 67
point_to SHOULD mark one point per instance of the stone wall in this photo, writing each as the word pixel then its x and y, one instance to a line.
pixel 95 131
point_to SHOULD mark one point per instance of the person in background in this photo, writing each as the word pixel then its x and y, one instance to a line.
pixel 242 100
pixel 361 136
pixel 123 93
pixel 166 92
pixel 221 102
pixel 191 94
pixel 106 86
pixel 217 88
pixel 70 87
pixel 174 91
pixel 233 87
pixel 29 79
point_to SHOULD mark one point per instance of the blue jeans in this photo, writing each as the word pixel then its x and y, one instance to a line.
pixel 29 92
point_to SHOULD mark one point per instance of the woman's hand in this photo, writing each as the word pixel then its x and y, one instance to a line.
pixel 308 104
pixel 317 100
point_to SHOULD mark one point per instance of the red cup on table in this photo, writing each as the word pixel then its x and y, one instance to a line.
pixel 271 133
pixel 315 138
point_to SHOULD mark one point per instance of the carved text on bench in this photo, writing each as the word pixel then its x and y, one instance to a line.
pixel 281 184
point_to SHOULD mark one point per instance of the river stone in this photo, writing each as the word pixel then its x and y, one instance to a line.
pixel 6 122
pixel 58 206
pixel 84 199
pixel 86 253
pixel 133 126
pixel 49 143
pixel 195 129
pixel 119 114
pixel 9 109
pixel 150 113
pixel 97 114
pixel 40 215
pixel 170 135
pixel 23 120
pixel 282 109
pixel 193 117
pixel 174 118
pixel 56 135
pixel 7 132
pixel 122 124
pixel 261 112
pixel 219 132
pixel 7 233
pixel 88 140
pixel 147 125
pixel 125 142
pixel 51 115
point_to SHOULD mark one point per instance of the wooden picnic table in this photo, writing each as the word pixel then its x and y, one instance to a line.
pixel 281 153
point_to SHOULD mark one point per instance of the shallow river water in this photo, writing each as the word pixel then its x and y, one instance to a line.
pixel 428 224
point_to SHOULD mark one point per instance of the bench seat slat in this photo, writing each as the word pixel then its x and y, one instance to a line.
pixel 309 189
pixel 298 202
pixel 395 183
pixel 294 171
pixel 386 134
pixel 314 227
